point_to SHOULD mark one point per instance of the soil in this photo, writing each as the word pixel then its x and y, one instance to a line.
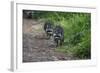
pixel 36 46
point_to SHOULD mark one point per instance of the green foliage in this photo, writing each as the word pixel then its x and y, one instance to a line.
pixel 77 31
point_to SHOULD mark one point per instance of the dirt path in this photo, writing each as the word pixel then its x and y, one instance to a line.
pixel 36 46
